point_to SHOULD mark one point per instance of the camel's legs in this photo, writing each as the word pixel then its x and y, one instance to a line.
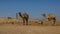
pixel 26 21
pixel 23 21
pixel 54 20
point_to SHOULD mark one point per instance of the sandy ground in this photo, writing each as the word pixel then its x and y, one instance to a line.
pixel 20 29
pixel 34 27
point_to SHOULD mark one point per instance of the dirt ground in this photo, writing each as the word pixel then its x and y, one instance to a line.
pixel 23 29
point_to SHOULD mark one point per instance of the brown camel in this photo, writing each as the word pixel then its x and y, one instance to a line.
pixel 50 17
pixel 25 17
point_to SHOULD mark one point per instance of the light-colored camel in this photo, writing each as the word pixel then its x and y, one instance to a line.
pixel 25 17
pixel 50 17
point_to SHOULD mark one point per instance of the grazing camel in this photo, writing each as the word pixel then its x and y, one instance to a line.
pixel 25 17
pixel 50 17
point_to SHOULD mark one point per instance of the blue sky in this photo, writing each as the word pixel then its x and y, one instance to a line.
pixel 33 7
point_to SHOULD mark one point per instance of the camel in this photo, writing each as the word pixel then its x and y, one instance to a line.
pixel 50 17
pixel 25 17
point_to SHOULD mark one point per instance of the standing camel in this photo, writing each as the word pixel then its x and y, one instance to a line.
pixel 50 17
pixel 25 17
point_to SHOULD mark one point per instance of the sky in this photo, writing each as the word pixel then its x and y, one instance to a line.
pixel 34 8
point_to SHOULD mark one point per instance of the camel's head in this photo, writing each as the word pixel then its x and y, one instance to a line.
pixel 44 14
pixel 20 14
